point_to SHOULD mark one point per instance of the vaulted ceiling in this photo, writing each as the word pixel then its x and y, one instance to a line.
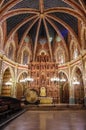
pixel 43 18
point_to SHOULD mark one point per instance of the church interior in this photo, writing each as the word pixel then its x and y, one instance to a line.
pixel 42 56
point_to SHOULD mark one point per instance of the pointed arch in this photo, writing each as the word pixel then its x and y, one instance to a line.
pixel 19 75
pixel 44 51
pixel 7 84
pixel 78 85
pixel 25 55
pixel 60 55
pixel 64 86
pixel 62 71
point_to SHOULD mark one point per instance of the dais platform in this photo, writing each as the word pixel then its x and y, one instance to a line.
pixel 51 107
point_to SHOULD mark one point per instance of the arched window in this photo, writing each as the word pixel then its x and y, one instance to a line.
pixel 74 51
pixel 60 56
pixel 10 52
pixel 25 57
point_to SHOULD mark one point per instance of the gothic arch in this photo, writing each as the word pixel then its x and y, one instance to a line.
pixel 25 53
pixel 62 71
pixel 44 51
pixel 78 85
pixel 21 74
pixel 11 71
pixel 64 87
pixel 7 83
pixel 73 71
pixel 21 85
pixel 60 55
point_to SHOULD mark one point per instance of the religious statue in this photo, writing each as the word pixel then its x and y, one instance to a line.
pixel 43 91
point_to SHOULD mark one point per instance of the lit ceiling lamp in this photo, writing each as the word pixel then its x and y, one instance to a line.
pixel 75 82
pixel 28 79
pixel 9 82
pixel 55 79
pixel 62 80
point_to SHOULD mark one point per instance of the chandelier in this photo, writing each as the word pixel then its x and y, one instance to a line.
pixel 27 79
pixel 55 79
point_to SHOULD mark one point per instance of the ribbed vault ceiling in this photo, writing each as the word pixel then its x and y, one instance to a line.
pixel 43 18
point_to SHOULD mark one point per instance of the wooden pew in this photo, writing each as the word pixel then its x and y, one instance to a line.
pixel 8 106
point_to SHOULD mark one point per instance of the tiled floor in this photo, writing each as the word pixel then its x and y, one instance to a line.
pixel 49 120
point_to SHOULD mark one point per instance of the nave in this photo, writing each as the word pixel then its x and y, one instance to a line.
pixel 49 120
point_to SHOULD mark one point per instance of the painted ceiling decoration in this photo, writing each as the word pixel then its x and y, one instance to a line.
pixel 43 20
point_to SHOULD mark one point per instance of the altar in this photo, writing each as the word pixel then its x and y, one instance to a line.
pixel 46 100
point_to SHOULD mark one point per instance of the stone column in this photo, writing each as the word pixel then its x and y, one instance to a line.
pixel 15 81
pixel 84 76
pixel 1 61
pixel 84 80
pixel 71 88
pixel 71 98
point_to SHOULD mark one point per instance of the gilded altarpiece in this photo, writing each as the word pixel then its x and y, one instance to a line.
pixel 42 71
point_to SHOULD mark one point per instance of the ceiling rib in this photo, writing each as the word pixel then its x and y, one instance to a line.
pixel 65 25
pixel 75 6
pixel 36 39
pixel 20 25
pixel 58 32
pixel 7 6
pixel 18 11
pixel 65 10
pixel 1 2
pixel 48 36
pixel 83 5
pixel 26 32
pixel 41 6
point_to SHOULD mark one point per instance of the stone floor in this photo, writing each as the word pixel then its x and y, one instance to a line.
pixel 49 120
